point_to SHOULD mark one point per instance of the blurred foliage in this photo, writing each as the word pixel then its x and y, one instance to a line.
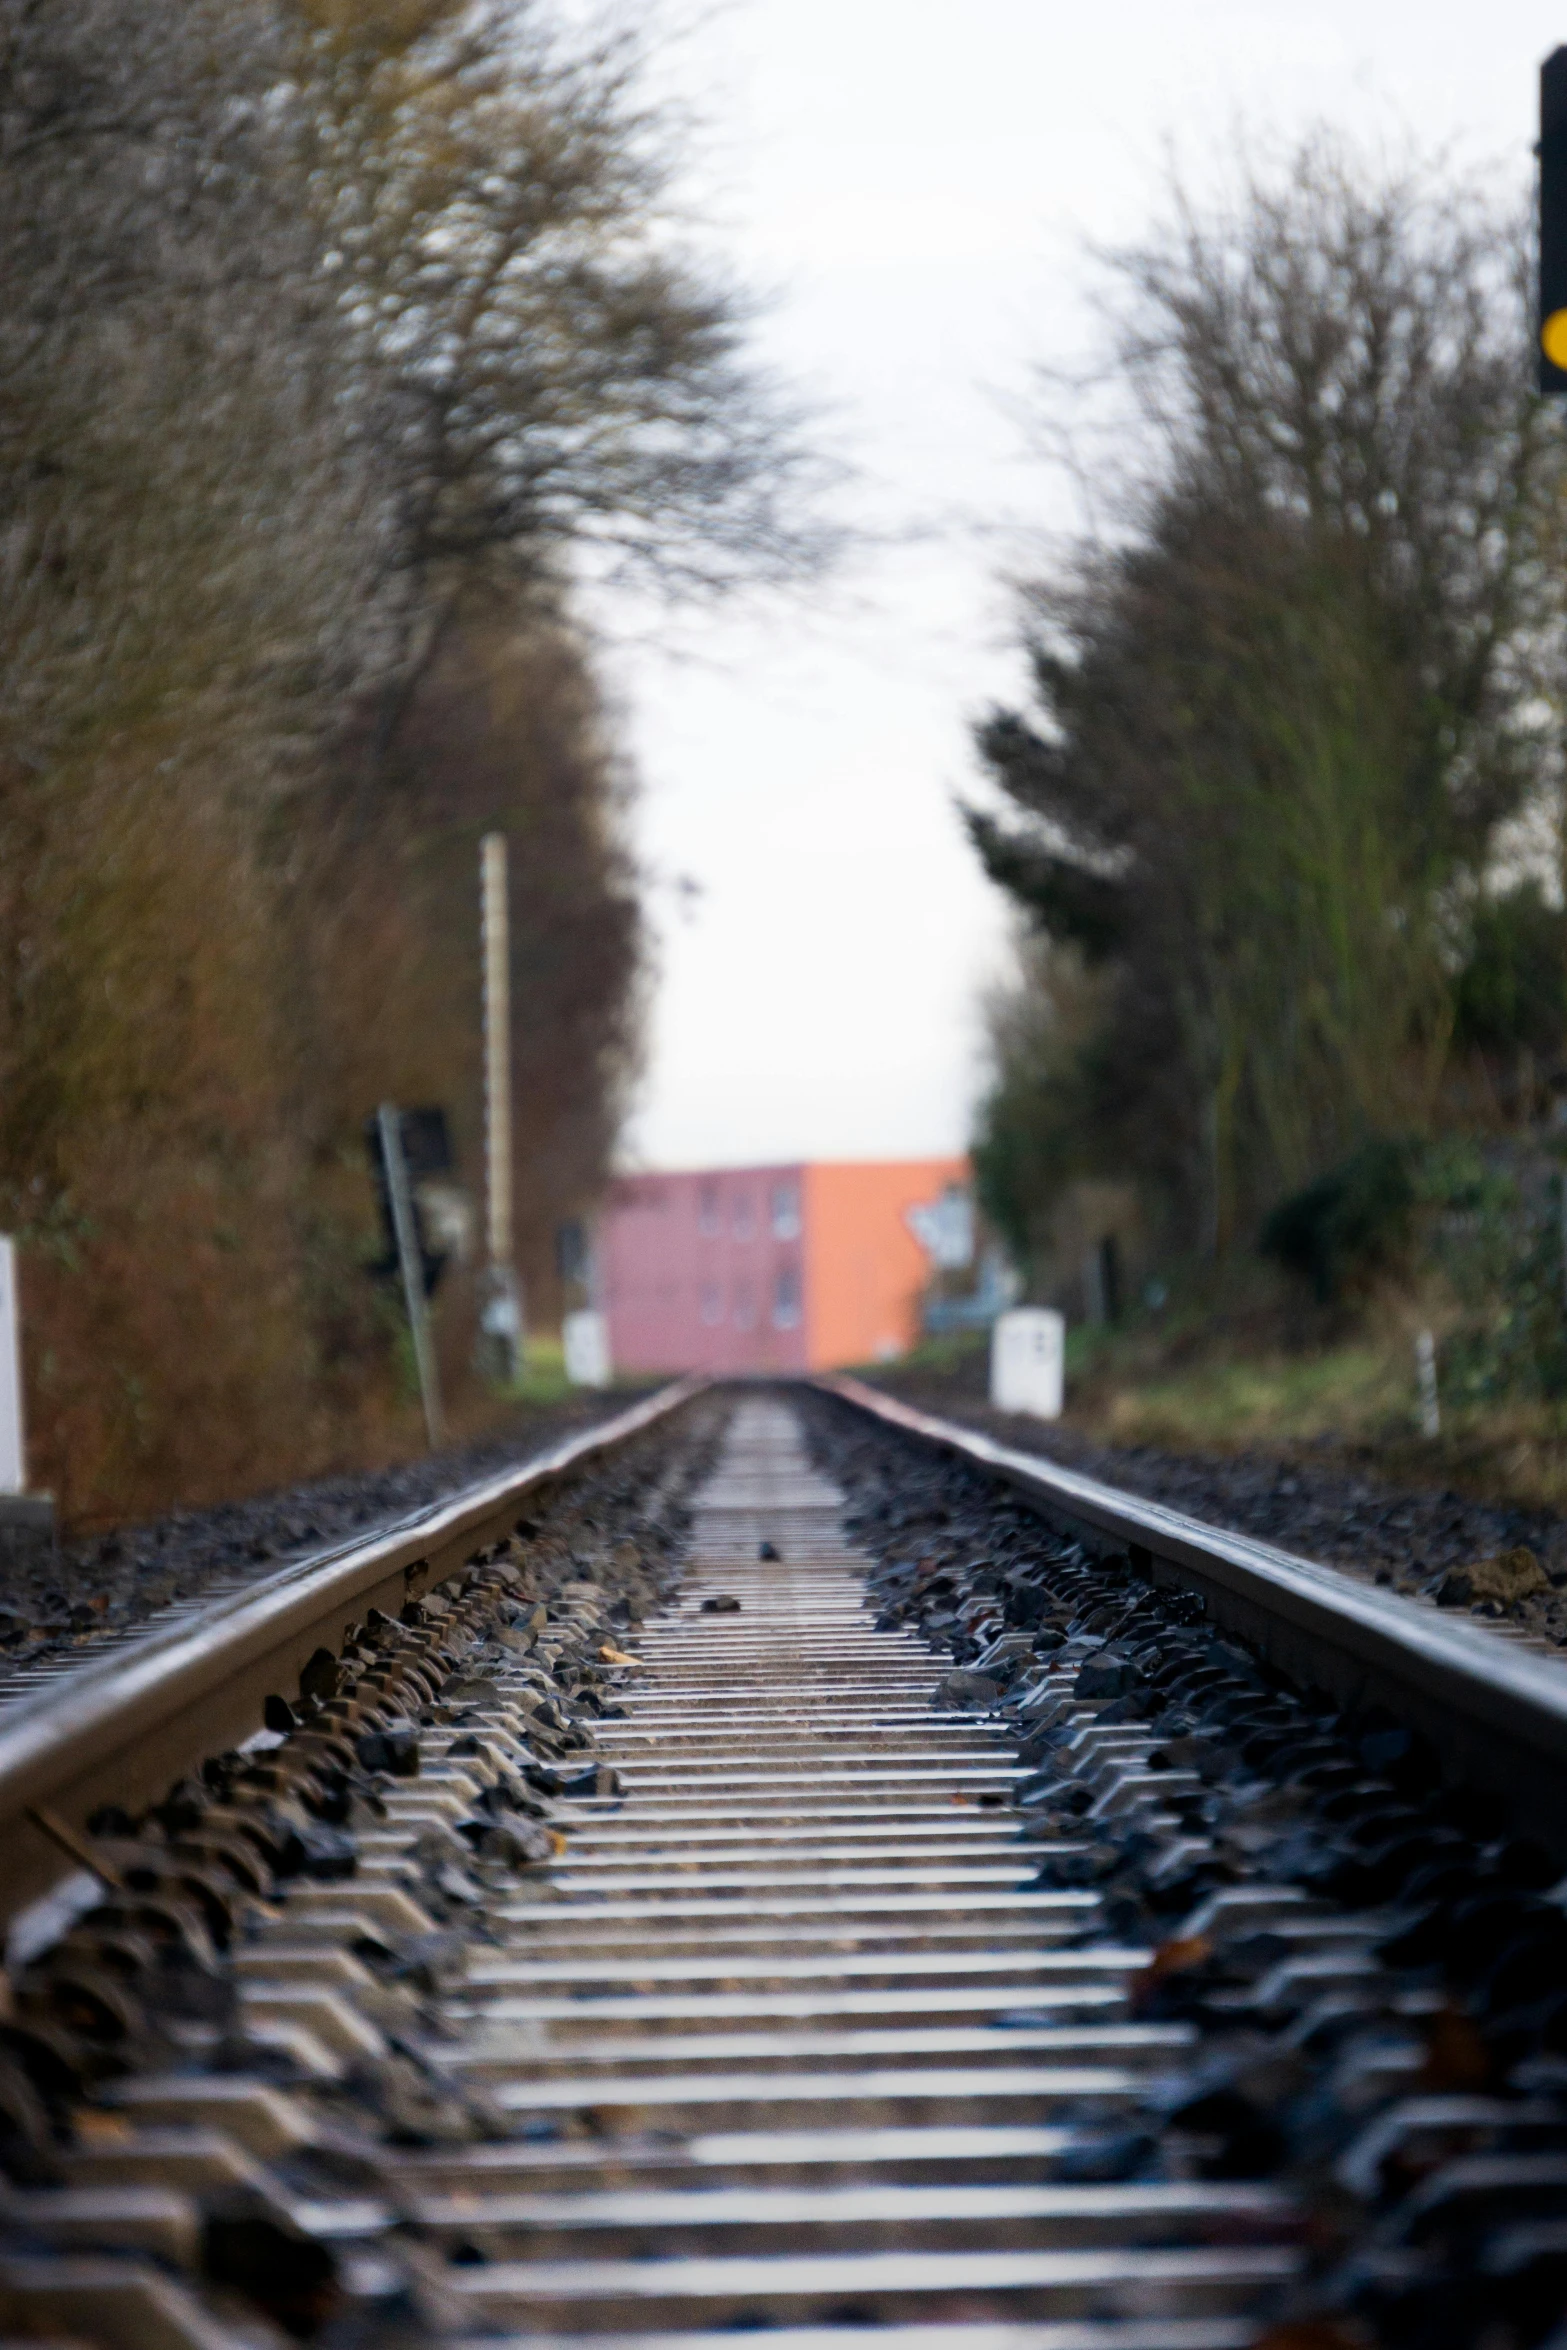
pixel 1045 1097
pixel 342 338
pixel 1510 994
pixel 1290 715
pixel 1352 1223
pixel 1476 1229
pixel 1495 1235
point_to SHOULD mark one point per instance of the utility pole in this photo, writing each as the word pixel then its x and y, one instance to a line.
pixel 500 1320
pixel 410 1259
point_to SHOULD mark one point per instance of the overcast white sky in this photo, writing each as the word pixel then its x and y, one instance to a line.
pixel 916 181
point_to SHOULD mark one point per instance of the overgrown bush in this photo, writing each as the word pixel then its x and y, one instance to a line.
pixel 1479 1229
pixel 1284 700
pixel 1510 994
pixel 1353 1222
pixel 1494 1233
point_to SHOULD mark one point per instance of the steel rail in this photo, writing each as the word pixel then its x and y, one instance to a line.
pixel 1495 1713
pixel 122 1727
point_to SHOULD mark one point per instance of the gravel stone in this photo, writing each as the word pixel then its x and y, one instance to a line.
pixel 1406 1538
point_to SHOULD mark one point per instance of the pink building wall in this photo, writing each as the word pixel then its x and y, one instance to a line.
pixel 782 1269
pixel 705 1271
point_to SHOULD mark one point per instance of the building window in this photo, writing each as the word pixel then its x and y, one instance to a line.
pixel 745 1217
pixel 786 1298
pixel 712 1304
pixel 745 1308
pixel 707 1211
pixel 786 1211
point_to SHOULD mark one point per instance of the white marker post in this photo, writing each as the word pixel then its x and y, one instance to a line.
pixel 1425 1375
pixel 585 1336
pixel 13 1441
pixel 1028 1361
pixel 26 1519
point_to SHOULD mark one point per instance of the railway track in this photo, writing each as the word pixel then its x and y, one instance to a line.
pixel 119 1724
pixel 1003 1964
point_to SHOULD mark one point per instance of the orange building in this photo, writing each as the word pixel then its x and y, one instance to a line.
pixel 788 1268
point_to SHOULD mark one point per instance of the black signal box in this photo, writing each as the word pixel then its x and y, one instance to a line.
pixel 1552 321
pixel 427 1153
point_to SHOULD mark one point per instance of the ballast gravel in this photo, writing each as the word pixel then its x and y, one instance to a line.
pixel 1437 1545
pixel 55 1602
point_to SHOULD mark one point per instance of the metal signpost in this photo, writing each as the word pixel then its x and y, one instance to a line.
pixel 410 1262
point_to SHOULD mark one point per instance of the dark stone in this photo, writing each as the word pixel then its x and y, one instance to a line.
pixel 396 1751
pixel 1229 2136
pixel 181 1809
pixel 1106 1675
pixel 517 1843
pixel 969 1692
pixel 57 2067
pixel 110 1820
pixel 91 2003
pixel 27 2154
pixel 289 2275
pixel 320 1677
pixel 1531 1966
pixel 1528 1865
pixel 328 1853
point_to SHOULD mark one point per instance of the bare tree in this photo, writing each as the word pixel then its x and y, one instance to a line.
pixel 194 511
pixel 573 375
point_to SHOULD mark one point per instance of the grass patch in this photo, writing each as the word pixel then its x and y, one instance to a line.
pixel 960 1360
pixel 542 1378
pixel 1344 1392
pixel 1239 1367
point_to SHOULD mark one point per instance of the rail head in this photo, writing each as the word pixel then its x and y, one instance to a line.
pixel 1495 1713
pixel 120 1728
